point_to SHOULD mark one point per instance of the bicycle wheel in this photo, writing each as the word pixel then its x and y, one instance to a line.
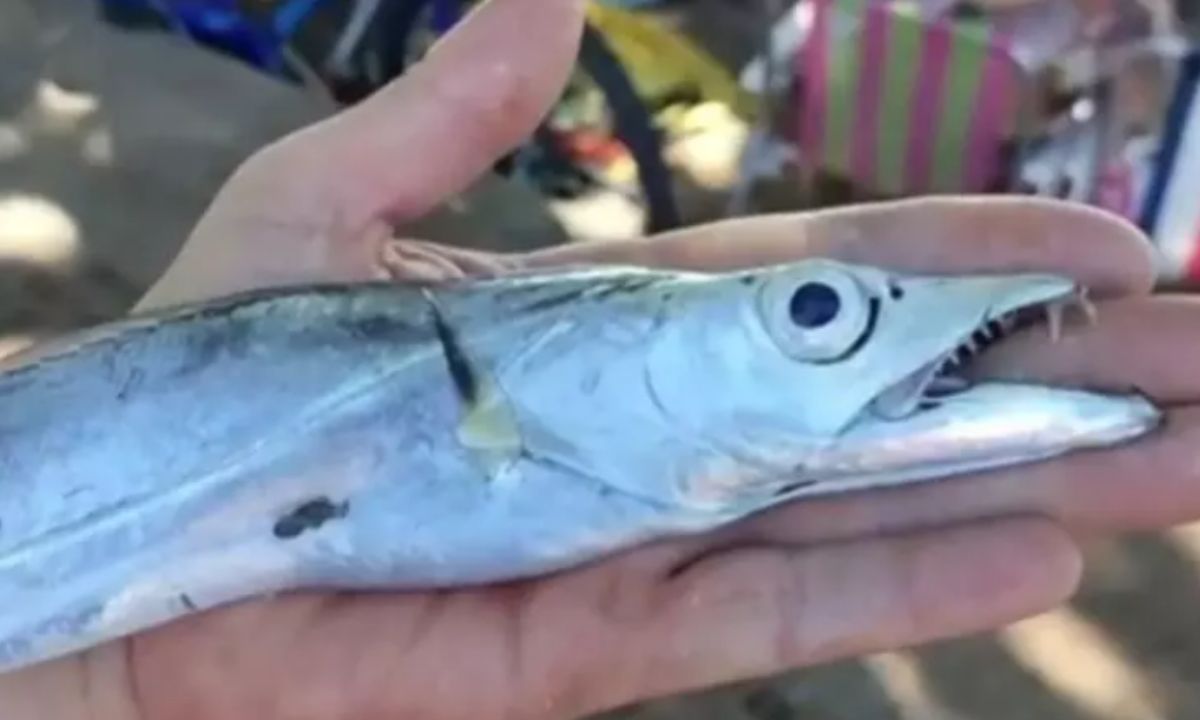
pixel 634 127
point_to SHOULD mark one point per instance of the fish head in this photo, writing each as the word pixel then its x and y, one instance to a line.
pixel 820 377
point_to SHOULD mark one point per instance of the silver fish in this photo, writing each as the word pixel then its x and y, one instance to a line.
pixel 384 436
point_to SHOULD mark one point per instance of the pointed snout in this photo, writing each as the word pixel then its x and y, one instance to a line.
pixel 985 297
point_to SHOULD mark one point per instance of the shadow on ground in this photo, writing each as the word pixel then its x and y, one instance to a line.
pixel 112 144
pixel 110 147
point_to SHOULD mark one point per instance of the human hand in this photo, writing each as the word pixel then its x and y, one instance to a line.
pixel 804 584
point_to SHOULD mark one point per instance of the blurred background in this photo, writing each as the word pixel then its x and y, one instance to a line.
pixel 119 119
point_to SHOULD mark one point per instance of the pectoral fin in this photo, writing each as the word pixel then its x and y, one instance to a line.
pixel 490 429
pixel 489 425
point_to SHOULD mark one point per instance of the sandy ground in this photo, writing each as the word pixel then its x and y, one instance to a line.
pixel 110 148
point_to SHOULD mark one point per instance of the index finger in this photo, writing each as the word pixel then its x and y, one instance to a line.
pixel 928 235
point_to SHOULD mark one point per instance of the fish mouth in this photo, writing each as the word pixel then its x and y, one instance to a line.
pixel 937 422
pixel 947 374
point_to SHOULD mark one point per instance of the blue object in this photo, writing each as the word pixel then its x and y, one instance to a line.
pixel 446 14
pixel 291 15
pixel 222 25
pixel 1176 126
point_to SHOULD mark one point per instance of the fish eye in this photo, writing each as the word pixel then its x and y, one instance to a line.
pixel 821 316
pixel 814 305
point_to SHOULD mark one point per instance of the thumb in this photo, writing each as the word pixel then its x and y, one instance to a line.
pixel 319 203
pixel 435 131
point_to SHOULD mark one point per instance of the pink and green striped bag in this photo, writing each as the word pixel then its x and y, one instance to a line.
pixel 904 105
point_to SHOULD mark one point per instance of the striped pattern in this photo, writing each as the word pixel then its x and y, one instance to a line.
pixel 1172 210
pixel 1178 228
pixel 905 105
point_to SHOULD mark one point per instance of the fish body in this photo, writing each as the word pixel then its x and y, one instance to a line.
pixel 391 436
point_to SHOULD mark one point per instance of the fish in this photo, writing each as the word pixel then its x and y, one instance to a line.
pixel 414 436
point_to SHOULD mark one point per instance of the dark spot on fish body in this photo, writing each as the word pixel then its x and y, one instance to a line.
pixel 794 487
pixel 310 516
pixel 289 527
pixel 748 279
pixel 186 600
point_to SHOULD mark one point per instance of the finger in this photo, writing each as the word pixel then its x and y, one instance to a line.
pixel 433 132
pixel 756 612
pixel 416 260
pixel 401 261
pixel 471 263
pixel 946 235
pixel 1142 343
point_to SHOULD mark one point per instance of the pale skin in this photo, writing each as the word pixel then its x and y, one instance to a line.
pixel 801 585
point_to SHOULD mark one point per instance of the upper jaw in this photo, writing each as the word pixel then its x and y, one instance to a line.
pixel 1031 298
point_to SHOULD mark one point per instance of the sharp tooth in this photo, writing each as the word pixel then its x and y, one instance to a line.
pixel 1008 321
pixel 1054 316
pixel 980 338
pixel 1085 305
pixel 902 399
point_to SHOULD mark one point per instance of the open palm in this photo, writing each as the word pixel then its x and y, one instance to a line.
pixel 799 585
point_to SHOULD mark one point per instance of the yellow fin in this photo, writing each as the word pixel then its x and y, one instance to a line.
pixel 489 428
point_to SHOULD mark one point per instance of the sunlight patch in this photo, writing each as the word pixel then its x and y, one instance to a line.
pixel 37 231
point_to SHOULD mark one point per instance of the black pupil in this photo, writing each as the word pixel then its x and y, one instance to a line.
pixel 814 305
